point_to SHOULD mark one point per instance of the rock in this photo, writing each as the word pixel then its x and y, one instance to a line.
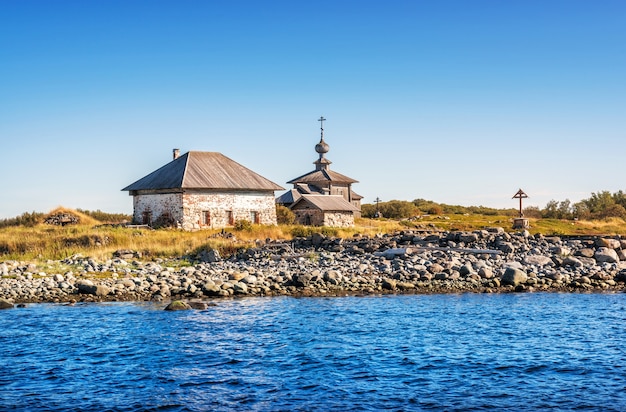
pixel 514 277
pixel 210 256
pixel 177 305
pixel 302 280
pixel 538 260
pixel 89 288
pixel 405 285
pixel 237 276
pixel 506 247
pixel 435 268
pixel 572 261
pixel 240 288
pixel 126 254
pixel 468 237
pixel 485 272
pixel 465 270
pixel 560 250
pixel 5 304
pixel 607 242
pixel 585 252
pixel 606 255
pixel 211 289
pixel 389 284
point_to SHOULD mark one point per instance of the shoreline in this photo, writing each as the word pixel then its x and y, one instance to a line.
pixel 406 262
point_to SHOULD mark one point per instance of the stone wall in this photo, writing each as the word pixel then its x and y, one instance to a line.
pixel 194 210
pixel 204 209
pixel 339 219
pixel 313 217
pixel 148 208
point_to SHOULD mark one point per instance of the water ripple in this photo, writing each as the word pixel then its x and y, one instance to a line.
pixel 442 352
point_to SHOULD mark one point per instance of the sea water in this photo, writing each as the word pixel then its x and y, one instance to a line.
pixel 465 352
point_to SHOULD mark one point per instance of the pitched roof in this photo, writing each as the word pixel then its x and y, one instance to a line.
pixel 203 170
pixel 328 203
pixel 288 197
pixel 323 176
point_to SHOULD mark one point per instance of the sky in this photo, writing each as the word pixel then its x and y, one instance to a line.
pixel 458 102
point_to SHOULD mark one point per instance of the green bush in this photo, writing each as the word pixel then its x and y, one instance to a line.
pixel 284 215
pixel 241 225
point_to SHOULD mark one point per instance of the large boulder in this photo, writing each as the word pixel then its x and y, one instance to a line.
pixel 209 256
pixel 88 287
pixel 177 305
pixel 5 304
pixel 514 277
pixel 572 261
pixel 538 260
pixel 608 242
pixel 606 255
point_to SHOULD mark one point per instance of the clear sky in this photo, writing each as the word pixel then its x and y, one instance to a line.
pixel 459 102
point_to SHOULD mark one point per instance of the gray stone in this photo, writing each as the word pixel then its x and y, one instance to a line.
pixel 485 272
pixel 585 252
pixel 606 255
pixel 5 304
pixel 538 260
pixel 177 305
pixel 572 261
pixel 465 270
pixel 88 287
pixel 514 277
pixel 608 242
pixel 210 256
pixel 240 288
pixel 389 284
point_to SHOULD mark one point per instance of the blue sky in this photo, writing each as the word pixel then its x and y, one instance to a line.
pixel 460 102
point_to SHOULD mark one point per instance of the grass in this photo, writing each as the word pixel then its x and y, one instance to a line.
pixel 89 238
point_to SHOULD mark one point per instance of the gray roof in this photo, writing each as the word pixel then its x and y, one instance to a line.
pixel 323 176
pixel 203 170
pixel 328 203
pixel 288 197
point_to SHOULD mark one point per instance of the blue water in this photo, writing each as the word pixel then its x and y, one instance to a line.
pixel 439 352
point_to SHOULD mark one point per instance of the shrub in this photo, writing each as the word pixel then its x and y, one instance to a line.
pixel 284 215
pixel 301 231
pixel 241 225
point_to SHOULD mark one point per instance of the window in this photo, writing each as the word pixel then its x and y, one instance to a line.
pixel 146 217
pixel 206 217
pixel 230 218
pixel 254 217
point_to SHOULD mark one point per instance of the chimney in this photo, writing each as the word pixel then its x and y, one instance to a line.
pixel 176 153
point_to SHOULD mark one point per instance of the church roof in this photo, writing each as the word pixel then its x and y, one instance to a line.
pixel 327 203
pixel 203 170
pixel 288 197
pixel 323 175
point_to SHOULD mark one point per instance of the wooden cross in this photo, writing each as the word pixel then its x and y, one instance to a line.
pixel 520 195
pixel 321 120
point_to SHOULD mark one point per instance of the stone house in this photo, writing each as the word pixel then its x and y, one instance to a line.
pixel 201 190
pixel 320 210
pixel 324 182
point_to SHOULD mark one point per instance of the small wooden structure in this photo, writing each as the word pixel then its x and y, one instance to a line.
pixel 318 185
pixel 520 222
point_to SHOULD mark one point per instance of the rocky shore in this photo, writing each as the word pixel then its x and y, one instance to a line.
pixel 483 261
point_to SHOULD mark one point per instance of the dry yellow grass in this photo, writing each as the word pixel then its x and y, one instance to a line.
pixel 89 238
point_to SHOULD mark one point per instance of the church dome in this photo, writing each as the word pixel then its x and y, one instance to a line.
pixel 322 147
